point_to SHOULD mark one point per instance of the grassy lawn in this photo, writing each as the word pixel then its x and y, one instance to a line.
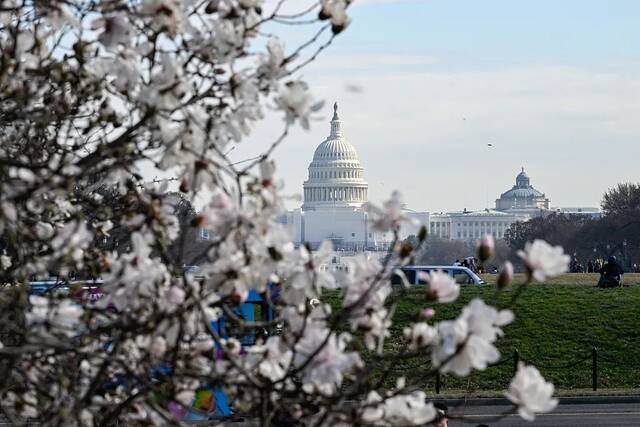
pixel 557 324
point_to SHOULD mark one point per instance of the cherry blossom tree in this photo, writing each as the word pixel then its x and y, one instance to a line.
pixel 94 96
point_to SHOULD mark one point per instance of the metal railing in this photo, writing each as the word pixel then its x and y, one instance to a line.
pixel 593 356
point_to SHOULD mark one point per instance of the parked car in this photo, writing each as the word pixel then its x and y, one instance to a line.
pixel 462 275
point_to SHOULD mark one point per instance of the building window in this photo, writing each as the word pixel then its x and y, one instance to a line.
pixel 353 234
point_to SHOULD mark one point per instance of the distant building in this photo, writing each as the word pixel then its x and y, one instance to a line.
pixel 521 203
pixel 335 194
pixel 471 225
pixel 522 198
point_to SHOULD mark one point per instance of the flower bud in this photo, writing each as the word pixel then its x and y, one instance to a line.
pixel 158 347
pixel 506 275
pixel 427 313
pixel 486 247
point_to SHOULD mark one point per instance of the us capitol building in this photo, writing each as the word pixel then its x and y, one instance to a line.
pixel 336 192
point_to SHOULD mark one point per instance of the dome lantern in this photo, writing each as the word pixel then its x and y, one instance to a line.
pixel 336 130
pixel 522 180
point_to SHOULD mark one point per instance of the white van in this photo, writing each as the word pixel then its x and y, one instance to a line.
pixel 462 275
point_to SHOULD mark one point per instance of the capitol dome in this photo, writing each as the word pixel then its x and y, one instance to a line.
pixel 522 196
pixel 336 178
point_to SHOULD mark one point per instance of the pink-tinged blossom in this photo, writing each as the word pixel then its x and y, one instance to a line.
pixel 167 87
pixel 158 347
pixel 63 317
pixel 390 216
pixel 273 358
pixel 328 368
pixel 309 274
pixel 135 276
pixel 44 230
pixel 442 287
pixel 467 342
pixel 297 103
pixel 531 393
pixel 420 335
pixel 365 297
pixel 399 410
pixel 543 260
pixel 72 240
pixel 175 295
pixel 272 64
pixel 427 313
pixel 219 213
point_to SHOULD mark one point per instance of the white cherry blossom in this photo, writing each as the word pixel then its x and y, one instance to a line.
pixel 442 287
pixel 402 409
pixel 5 261
pixel 420 335
pixel 297 103
pixel 467 342
pixel 543 260
pixel 531 393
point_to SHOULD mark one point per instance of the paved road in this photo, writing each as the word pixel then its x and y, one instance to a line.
pixel 591 415
pixel 565 415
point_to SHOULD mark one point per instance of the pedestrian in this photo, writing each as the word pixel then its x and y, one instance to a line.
pixel 611 274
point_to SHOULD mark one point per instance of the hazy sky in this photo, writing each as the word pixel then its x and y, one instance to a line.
pixel 553 85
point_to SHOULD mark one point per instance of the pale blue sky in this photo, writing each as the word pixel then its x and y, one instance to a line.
pixel 552 84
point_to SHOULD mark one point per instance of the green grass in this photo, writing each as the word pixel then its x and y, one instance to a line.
pixel 556 326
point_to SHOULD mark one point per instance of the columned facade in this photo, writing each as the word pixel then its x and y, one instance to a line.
pixel 336 178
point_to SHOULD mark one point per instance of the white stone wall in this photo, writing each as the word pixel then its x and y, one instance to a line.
pixel 341 225
pixel 472 226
